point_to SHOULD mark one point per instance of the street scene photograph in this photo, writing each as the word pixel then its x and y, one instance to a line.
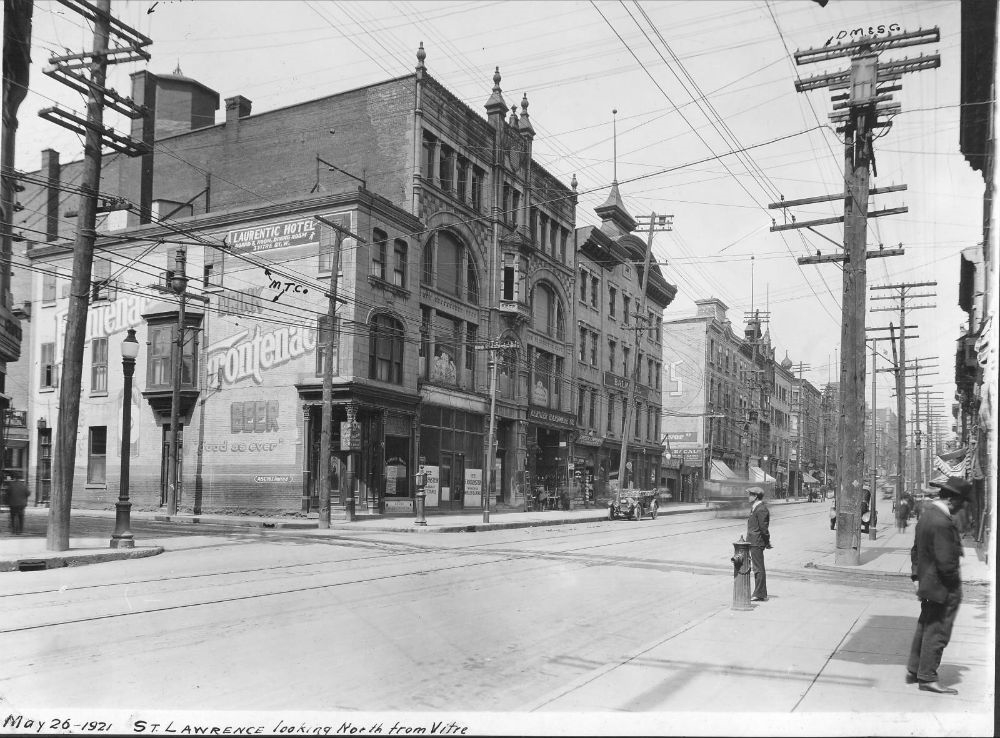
pixel 481 367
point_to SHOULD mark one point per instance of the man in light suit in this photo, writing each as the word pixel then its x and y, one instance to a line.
pixel 935 571
pixel 759 538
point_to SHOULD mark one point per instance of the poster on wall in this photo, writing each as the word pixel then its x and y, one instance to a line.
pixel 473 488
pixel 431 489
pixel 395 477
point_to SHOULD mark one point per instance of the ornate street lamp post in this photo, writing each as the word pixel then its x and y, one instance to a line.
pixel 122 537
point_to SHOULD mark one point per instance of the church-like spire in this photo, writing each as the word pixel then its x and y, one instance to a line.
pixel 496 102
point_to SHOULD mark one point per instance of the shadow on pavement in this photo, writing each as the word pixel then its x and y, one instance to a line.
pixel 883 639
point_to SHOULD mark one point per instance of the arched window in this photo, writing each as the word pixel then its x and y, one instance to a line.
pixel 547 312
pixel 450 264
pixel 471 283
pixel 385 350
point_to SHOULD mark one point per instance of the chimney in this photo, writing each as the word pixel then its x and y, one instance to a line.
pixel 51 172
pixel 139 170
pixel 236 108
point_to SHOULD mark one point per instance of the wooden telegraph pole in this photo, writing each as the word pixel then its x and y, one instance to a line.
pixel 857 111
pixel 114 43
pixel 656 224
pixel 903 295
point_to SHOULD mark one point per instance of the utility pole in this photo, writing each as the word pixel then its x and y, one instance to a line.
pixel 874 462
pixel 664 225
pixel 857 111
pixel 493 347
pixel 96 136
pixel 179 283
pixel 902 295
pixel 330 345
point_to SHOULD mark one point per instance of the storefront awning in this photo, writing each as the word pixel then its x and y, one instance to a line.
pixel 759 475
pixel 809 478
pixel 721 471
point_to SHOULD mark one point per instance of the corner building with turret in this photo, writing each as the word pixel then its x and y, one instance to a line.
pixel 453 240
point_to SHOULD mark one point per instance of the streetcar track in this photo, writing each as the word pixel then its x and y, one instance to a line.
pixel 409 547
pixel 497 556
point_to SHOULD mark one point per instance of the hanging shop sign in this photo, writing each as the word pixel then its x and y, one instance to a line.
pixel 350 436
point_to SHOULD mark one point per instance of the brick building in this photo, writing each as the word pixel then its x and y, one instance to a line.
pixel 461 238
pixel 613 340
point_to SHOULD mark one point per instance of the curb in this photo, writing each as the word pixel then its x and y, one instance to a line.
pixel 49 561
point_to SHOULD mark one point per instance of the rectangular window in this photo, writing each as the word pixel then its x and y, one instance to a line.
pixel 97 452
pixel 49 373
pixel 583 285
pixel 429 145
pixel 638 419
pixel 471 338
pixel 99 365
pixel 557 383
pixel 583 344
pixel 625 308
pixel 158 374
pixel 593 410
pixel 378 248
pixel 580 405
pixel 477 187
pixel 212 268
pixel 446 175
pixel 516 206
pixel 625 352
pixel 509 279
pixel 563 238
pixel 611 355
pixel 505 216
pixel 594 338
pixel 594 291
pixel 649 373
pixel 612 297
pixel 48 288
pixel 100 280
pixel 611 414
pixel 659 375
pixel 322 323
pixel 533 224
pixel 463 178
pixel 659 330
pixel 553 235
pixel 399 250
pixel 543 232
pixel 327 244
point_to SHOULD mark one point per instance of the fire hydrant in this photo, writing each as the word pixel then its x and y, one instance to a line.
pixel 741 575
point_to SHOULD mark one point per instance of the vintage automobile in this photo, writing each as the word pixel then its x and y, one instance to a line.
pixel 633 504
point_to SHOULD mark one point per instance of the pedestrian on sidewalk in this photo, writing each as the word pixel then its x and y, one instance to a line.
pixel 759 538
pixel 17 499
pixel 902 514
pixel 935 571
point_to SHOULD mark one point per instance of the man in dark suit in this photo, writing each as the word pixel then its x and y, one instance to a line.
pixel 17 499
pixel 759 538
pixel 935 571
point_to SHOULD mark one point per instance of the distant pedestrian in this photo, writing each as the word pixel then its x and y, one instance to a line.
pixel 759 538
pixel 935 571
pixel 17 499
pixel 902 514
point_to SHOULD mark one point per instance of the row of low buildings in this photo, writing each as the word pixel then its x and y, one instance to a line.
pixel 452 238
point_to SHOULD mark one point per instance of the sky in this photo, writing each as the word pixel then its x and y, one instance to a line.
pixel 592 68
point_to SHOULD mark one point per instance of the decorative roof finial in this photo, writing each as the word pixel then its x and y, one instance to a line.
pixel 614 145
pixel 525 126
pixel 421 55
pixel 513 115
pixel 178 71
pixel 496 80
pixel 573 182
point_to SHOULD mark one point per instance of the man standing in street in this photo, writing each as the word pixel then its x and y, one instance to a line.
pixel 17 499
pixel 759 538
pixel 935 571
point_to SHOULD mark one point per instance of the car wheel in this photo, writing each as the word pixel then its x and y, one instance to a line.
pixel 654 510
pixel 611 513
pixel 637 512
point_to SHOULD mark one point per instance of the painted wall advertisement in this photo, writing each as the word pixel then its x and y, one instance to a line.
pixel 432 489
pixel 473 488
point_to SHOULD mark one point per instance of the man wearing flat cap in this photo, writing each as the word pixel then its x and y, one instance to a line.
pixel 759 538
pixel 935 571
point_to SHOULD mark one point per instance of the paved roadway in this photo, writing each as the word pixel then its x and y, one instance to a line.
pixel 501 621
